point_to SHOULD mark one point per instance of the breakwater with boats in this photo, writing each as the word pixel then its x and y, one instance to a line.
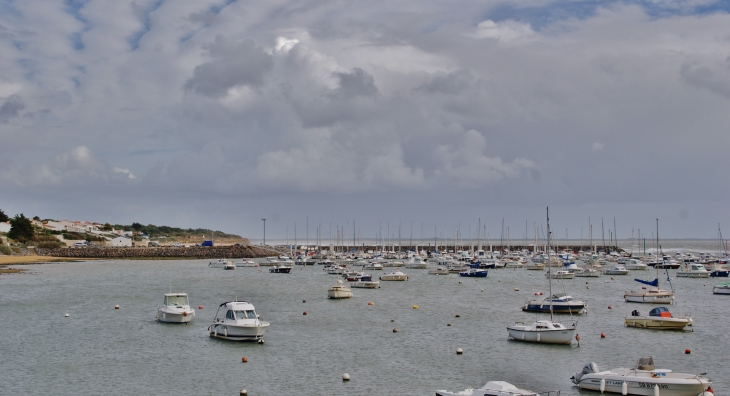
pixel 168 252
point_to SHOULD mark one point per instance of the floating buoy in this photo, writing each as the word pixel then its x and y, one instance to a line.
pixel 244 359
pixel 482 290
pixel 200 307
pixel 459 351
pixel 586 283
pixel 116 307
pixel 609 307
pixel 371 303
pixel 448 324
pixel 517 289
pixel 395 330
pixel 459 281
pixel 304 313
pixel 643 287
pixel 392 320
pixel 415 307
pixel 243 392
pixel 499 280
pixel 687 351
pixel 304 301
pixel 66 316
pixel 577 337
pixel 457 315
pixel 345 377
pixel 603 335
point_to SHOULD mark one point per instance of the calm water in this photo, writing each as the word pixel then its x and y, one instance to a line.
pixel 102 350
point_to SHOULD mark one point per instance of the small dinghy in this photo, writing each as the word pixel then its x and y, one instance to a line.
pixel 474 273
pixel 282 269
pixel 175 309
pixel 238 323
pixel 363 284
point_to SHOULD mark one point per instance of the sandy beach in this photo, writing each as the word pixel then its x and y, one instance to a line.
pixel 7 260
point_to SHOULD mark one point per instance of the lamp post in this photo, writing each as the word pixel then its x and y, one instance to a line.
pixel 264 220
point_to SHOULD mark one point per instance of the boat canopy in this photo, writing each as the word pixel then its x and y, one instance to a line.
pixel 645 363
pixel 660 311
pixel 654 283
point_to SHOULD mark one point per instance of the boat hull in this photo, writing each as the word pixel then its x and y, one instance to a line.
pixel 557 308
pixel 650 322
pixel 693 274
pixel 339 294
pixel 644 386
pixel 238 332
pixel 365 284
pixel 649 298
pixel 720 290
pixel 561 336
pixel 181 316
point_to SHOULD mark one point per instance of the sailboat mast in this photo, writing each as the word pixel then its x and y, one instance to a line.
pixel 550 278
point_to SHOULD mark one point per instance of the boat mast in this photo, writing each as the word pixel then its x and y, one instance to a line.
pixel 550 278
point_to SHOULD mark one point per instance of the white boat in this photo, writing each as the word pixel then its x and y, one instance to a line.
pixel 635 264
pixel 326 263
pixel 513 264
pixel 559 303
pixel 229 265
pixel 659 318
pixel 220 263
pixel 496 388
pixel 416 262
pixel 394 263
pixel 239 322
pixel 302 261
pixel 372 267
pixel 587 272
pixel 723 288
pixel 246 263
pixel 394 276
pixel 650 296
pixel 544 331
pixel 284 257
pixel 362 284
pixel 693 270
pixel 175 309
pixel 534 266
pixel 339 291
pixel 561 274
pixel 616 270
pixel 270 262
pixel 644 379
pixel 336 269
pixel 440 270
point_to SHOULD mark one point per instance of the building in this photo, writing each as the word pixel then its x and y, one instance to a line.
pixel 5 227
pixel 120 242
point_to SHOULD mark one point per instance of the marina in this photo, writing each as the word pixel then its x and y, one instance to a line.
pixel 334 331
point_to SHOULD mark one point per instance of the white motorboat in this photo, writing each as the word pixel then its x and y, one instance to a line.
pixel 284 257
pixel 635 264
pixel 175 309
pixel 394 276
pixel 336 269
pixel 650 296
pixel 416 262
pixel 246 263
pixel 220 263
pixel 496 388
pixel 363 284
pixel 659 319
pixel 587 272
pixel 440 270
pixel 229 265
pixel 616 270
pixel 326 263
pixel 644 379
pixel 561 274
pixel 339 291
pixel 238 323
pixel 394 263
pixel 302 261
pixel 723 288
pixel 534 266
pixel 693 271
pixel 513 264
pixel 545 331
pixel 371 266
pixel 270 262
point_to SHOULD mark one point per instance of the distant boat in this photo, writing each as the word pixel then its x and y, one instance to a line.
pixel 693 270
pixel 723 288
pixel 474 272
pixel 339 291
pixel 175 309
pixel 282 269
pixel 561 303
pixel 659 319
pixel 616 270
pixel 394 276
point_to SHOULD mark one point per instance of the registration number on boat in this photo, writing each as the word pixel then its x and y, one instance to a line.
pixel 650 385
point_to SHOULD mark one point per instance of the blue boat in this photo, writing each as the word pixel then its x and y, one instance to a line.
pixel 562 303
pixel 474 272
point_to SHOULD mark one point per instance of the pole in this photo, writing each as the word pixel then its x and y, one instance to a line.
pixel 264 231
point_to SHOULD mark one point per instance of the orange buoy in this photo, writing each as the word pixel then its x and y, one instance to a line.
pixel 603 335
pixel 200 307
pixel 304 301
pixel 609 307
pixel 371 303
pixel 185 313
pixel 305 312
pixel 116 307
pixel 577 337
pixel 687 351
pixel 244 359
pixel 395 330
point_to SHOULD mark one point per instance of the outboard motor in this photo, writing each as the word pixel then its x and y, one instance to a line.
pixel 589 368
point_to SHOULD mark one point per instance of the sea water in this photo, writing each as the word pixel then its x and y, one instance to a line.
pixel 102 350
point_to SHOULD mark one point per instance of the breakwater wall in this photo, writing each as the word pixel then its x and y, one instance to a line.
pixel 141 253
pixel 452 248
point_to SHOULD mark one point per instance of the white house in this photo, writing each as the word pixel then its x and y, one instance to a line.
pixel 120 241
pixel 4 227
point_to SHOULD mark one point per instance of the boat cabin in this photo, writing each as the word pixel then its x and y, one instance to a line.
pixel 176 299
pixel 233 312
pixel 662 312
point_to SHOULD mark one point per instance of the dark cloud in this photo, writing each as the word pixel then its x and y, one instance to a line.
pixel 713 80
pixel 11 108
pixel 452 83
pixel 233 64
pixel 356 83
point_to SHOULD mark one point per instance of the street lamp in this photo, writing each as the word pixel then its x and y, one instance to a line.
pixel 264 231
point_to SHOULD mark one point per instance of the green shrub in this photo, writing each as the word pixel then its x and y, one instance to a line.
pixel 5 250
pixel 50 245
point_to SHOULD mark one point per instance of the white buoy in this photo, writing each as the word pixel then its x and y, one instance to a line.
pixel 602 387
pixel 345 377
pixel 624 388
pixel 67 315
pixel 243 392
pixel 656 390
pixel 459 351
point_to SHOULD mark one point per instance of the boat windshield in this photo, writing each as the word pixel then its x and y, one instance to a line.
pixel 245 314
pixel 176 300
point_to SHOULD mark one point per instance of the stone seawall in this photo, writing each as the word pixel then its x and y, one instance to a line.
pixel 195 252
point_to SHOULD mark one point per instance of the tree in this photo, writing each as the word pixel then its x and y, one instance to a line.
pixel 107 227
pixel 20 228
pixel 3 217
pixel 137 226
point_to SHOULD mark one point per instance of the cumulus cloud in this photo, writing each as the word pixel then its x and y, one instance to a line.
pixel 506 32
pixel 233 64
pixel 10 108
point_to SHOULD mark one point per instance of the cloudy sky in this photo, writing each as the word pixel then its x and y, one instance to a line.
pixel 219 113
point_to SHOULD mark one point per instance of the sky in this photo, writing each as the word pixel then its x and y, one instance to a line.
pixel 444 115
